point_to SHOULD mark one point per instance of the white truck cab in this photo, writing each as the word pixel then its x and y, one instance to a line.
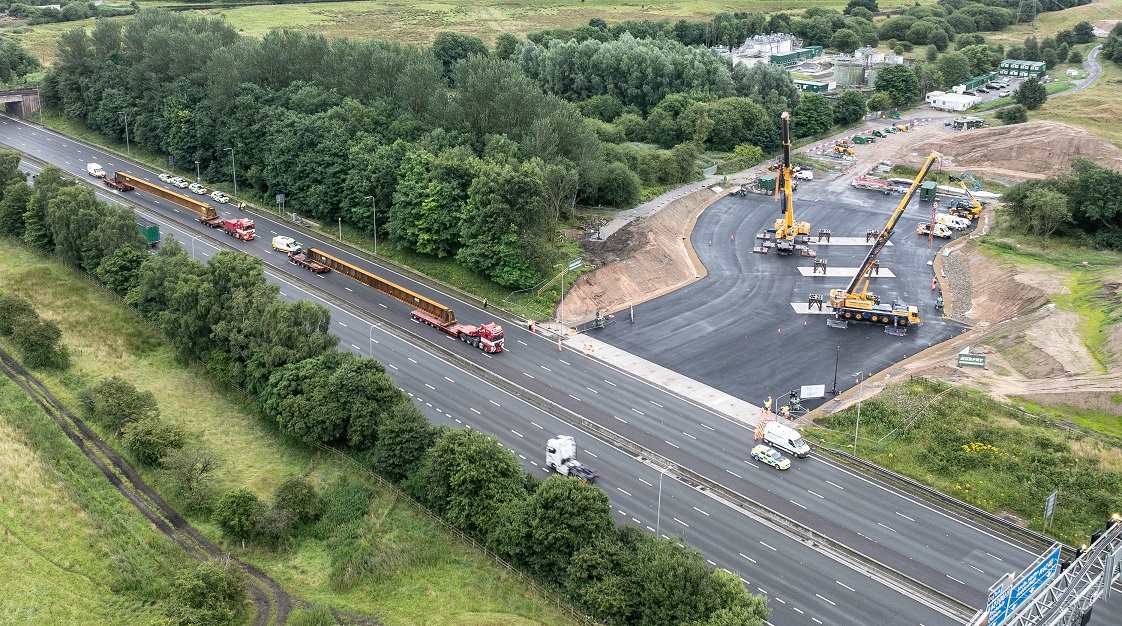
pixel 561 457
pixel 952 221
pixel 787 439
pixel 95 170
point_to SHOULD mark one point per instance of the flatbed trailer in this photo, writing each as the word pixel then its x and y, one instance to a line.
pixel 487 337
pixel 300 259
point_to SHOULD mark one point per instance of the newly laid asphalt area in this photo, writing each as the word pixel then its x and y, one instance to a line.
pixel 736 329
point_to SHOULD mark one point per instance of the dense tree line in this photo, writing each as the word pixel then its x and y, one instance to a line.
pixel 225 315
pixel 463 154
pixel 1112 48
pixel 1085 203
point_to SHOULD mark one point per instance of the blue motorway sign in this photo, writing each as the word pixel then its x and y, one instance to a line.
pixel 1004 600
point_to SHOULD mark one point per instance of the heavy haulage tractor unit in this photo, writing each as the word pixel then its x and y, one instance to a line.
pixel 856 303
pixel 561 457
pixel 788 236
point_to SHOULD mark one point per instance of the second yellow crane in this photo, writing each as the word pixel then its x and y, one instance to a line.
pixel 788 236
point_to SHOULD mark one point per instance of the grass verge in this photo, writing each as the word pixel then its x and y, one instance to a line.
pixel 450 584
pixel 963 443
pixel 943 178
pixel 1097 108
pixel 73 550
pixel 1098 421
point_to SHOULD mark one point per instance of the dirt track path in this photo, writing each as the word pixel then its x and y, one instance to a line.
pixel 271 602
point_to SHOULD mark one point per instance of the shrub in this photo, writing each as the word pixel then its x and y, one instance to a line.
pixel 299 498
pixel 114 402
pixel 210 594
pixel 39 342
pixel 14 311
pixel 189 473
pixel 403 437
pixel 273 527
pixel 343 502
pixel 236 513
pixel 1016 114
pixel 150 439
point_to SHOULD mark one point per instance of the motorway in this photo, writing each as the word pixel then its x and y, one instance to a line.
pixel 804 586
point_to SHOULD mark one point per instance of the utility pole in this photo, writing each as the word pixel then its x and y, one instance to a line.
pixel 234 170
pixel 124 114
pixel 374 208
pixel 857 427
pixel 340 229
pixel 658 510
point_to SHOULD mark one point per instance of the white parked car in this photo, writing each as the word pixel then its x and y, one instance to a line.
pixel 199 189
pixel 166 178
pixel 180 182
pixel 1005 93
pixel 218 196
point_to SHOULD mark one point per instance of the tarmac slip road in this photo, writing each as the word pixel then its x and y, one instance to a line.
pixel 665 423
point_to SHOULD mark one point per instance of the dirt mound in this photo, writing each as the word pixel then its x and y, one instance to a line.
pixel 1021 151
pixel 644 260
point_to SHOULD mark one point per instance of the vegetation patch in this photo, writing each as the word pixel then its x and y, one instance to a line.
pixel 989 454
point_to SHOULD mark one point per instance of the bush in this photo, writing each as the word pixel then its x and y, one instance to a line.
pixel 1015 114
pixel 403 438
pixel 273 527
pixel 344 502
pixel 150 439
pixel 40 344
pixel 1031 94
pixel 1074 57
pixel 189 473
pixel 313 616
pixel 115 402
pixel 299 498
pixel 210 594
pixel 14 311
pixel 236 513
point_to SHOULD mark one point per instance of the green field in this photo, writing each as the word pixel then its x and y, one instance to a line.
pixel 1097 108
pixel 419 22
pixel 1048 24
pixel 445 582
pixel 73 551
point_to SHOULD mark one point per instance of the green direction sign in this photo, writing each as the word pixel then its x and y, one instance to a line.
pixel 971 360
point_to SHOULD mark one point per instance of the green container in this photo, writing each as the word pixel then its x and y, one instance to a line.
pixel 767 183
pixel 862 139
pixel 927 190
pixel 150 232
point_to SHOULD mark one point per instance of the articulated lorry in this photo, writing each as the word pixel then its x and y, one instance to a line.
pixel 487 337
pixel 561 457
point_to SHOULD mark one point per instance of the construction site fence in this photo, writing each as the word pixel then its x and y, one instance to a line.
pixel 554 599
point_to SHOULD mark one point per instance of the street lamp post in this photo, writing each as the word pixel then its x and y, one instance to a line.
pixel 234 170
pixel 371 341
pixel 374 208
pixel 128 146
pixel 837 355
pixel 198 175
pixel 658 512
pixel 857 426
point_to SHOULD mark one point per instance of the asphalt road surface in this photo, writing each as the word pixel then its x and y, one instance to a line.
pixel 736 329
pixel 937 548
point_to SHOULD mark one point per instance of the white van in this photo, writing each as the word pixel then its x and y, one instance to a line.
pixel 804 175
pixel 952 221
pixel 787 439
pixel 95 170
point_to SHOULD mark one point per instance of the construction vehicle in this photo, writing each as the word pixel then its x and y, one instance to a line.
pixel 204 213
pixel 872 184
pixel 486 337
pixel 561 457
pixel 855 302
pixel 862 139
pixel 941 230
pixel 970 210
pixel 843 149
pixel 300 259
pixel 788 235
pixel 902 127
pixel 879 134
pixel 242 228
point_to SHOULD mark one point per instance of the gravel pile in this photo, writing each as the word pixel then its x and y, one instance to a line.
pixel 957 285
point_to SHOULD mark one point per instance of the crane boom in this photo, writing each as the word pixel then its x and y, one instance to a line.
pixel 855 303
pixel 885 233
pixel 787 236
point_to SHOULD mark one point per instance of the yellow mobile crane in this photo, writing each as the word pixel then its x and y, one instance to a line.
pixel 855 303
pixel 787 236
pixel 970 210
